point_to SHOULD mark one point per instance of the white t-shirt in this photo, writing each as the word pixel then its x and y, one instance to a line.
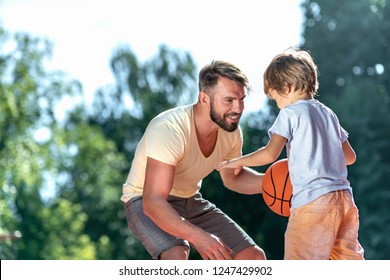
pixel 314 149
pixel 171 138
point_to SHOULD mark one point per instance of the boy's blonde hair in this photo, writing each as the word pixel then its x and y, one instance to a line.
pixel 293 68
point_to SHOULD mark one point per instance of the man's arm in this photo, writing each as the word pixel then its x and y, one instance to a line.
pixel 247 181
pixel 159 179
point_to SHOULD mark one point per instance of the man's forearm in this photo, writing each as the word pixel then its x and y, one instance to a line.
pixel 248 181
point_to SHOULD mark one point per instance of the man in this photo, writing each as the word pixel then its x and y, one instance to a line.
pixel 180 147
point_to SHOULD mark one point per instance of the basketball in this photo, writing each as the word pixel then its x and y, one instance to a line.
pixel 277 188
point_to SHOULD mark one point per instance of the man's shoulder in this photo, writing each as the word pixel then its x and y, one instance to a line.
pixel 175 119
pixel 181 112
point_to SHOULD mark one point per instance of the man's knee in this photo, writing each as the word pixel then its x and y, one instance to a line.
pixel 250 253
pixel 176 253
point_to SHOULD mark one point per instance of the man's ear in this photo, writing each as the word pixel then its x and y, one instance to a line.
pixel 204 98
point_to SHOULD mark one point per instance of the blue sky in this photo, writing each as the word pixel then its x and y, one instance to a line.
pixel 84 32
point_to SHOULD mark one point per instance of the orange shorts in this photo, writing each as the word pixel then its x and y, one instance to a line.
pixel 324 229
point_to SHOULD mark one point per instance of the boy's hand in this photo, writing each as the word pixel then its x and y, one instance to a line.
pixel 233 163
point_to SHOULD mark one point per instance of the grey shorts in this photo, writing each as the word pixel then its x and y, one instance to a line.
pixel 197 211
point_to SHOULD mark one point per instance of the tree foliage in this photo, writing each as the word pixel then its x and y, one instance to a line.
pixel 28 98
pixel 38 151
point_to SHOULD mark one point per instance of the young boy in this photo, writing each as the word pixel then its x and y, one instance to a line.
pixel 324 219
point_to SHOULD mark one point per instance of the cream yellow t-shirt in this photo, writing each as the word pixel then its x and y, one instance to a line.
pixel 171 138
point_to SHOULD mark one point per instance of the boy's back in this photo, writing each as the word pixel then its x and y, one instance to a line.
pixel 314 149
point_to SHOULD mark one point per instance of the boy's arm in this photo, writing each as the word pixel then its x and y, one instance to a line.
pixel 262 156
pixel 237 177
pixel 349 153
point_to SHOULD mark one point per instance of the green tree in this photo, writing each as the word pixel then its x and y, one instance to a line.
pixel 30 153
pixel 91 176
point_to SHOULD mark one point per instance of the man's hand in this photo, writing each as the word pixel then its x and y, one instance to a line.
pixel 210 247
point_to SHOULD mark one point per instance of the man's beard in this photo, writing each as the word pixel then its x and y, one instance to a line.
pixel 221 120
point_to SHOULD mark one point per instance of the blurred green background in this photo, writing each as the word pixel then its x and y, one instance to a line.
pixel 83 159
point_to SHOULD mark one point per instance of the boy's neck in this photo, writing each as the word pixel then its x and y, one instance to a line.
pixel 297 95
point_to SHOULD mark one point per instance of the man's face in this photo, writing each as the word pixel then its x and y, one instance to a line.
pixel 227 104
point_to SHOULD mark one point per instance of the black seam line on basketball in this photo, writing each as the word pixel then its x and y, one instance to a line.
pixel 284 190
pixel 273 185
pixel 289 200
pixel 276 198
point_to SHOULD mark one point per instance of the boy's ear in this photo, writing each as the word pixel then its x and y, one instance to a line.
pixel 288 89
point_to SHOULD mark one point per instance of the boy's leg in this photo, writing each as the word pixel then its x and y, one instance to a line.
pixel 311 230
pixel 347 245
